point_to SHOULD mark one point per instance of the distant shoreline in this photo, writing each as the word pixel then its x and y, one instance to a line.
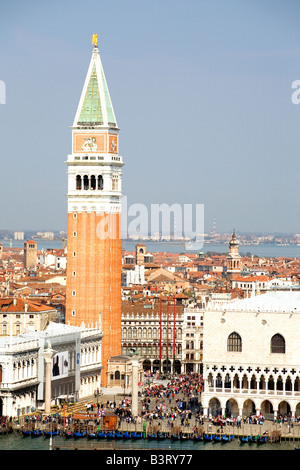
pixel 260 250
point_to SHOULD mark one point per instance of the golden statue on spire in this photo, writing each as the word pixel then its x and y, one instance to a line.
pixel 95 40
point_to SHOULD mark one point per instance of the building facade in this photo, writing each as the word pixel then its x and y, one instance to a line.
pixel 76 367
pixel 94 250
pixel 251 356
pixel 149 328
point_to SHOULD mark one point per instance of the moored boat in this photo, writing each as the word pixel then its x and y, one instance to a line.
pixel 209 437
pixel 226 438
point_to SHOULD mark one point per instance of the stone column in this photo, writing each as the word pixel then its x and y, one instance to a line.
pixel 134 386
pixel 48 354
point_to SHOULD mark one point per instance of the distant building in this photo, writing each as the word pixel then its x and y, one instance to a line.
pixel 19 235
pixel 30 255
pixel 18 315
pixel 233 260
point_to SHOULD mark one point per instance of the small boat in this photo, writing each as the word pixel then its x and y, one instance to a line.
pixel 36 432
pixel 174 437
pixel 51 433
pixel 161 435
pixel 262 440
pixel 217 439
pixel 110 435
pixel 126 435
pixel 92 435
pixel 80 434
pixel 209 437
pixel 26 432
pixel 68 434
pixel 119 435
pixel 197 438
pixel 136 435
pixel 101 435
pixel 152 436
pixel 244 439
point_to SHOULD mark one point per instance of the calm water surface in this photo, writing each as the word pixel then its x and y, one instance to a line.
pixel 18 442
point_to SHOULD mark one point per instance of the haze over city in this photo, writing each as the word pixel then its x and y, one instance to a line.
pixel 201 90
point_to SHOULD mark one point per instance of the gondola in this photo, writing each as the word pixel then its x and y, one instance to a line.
pixel 209 437
pixel 110 435
pixel 227 438
pixel 262 440
pixel 244 439
pixel 80 434
pixel 198 438
pixel 101 435
pixel 36 432
pixel 68 434
pixel 51 433
pixel 26 433
pixel 119 435
pixel 136 435
pixel 126 435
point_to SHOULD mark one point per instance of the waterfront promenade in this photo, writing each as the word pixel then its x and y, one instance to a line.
pixel 161 414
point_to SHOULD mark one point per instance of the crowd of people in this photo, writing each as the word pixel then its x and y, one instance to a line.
pixel 175 401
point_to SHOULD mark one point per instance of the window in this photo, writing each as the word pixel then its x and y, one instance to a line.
pixel 93 182
pixel 115 183
pixel 86 182
pixel 234 343
pixel 78 182
pixel 100 182
pixel 277 344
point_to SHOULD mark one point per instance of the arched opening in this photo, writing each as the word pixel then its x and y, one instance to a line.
pixel 214 407
pixel 277 344
pixel 78 182
pixel 93 182
pixel 284 409
pixel 234 342
pixel 231 408
pixel 100 182
pixel 248 408
pixel 85 182
pixel 267 410
pixel 271 383
pixel 147 364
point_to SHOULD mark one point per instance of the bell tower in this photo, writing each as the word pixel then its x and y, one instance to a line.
pixel 233 260
pixel 94 245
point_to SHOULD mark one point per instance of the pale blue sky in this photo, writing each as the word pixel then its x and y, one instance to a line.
pixel 201 91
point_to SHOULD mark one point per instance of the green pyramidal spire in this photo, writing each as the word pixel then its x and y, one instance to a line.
pixel 95 106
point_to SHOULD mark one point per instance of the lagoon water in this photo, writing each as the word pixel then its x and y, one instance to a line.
pixel 18 442
pixel 269 251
